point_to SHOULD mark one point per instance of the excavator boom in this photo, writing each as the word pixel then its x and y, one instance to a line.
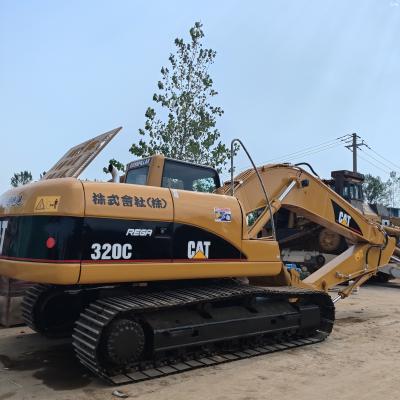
pixel 297 190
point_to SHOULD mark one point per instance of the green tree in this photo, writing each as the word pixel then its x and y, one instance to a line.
pixel 375 190
pixel 116 164
pixel 184 126
pixel 392 186
pixel 21 178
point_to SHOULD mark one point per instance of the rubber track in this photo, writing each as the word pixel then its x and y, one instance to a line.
pixel 99 314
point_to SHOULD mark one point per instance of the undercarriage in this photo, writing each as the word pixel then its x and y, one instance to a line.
pixel 125 334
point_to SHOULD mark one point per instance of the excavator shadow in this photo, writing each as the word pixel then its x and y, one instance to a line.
pixel 391 284
pixel 28 355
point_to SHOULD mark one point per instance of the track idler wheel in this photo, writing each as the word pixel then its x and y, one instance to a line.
pixel 124 343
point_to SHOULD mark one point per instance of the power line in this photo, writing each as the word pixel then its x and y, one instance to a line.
pixel 391 162
pixel 354 146
pixel 357 143
pixel 300 155
pixel 382 163
pixel 376 166
pixel 332 146
pixel 306 150
pixel 351 141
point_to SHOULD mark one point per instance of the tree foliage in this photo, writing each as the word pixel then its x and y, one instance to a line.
pixel 184 125
pixel 378 191
pixel 21 178
pixel 118 165
pixel 393 186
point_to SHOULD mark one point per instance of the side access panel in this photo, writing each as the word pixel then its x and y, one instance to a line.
pixel 208 234
pixel 127 233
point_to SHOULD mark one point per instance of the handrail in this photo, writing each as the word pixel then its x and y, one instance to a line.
pixel 259 178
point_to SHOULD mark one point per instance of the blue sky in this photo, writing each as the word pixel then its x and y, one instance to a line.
pixel 290 75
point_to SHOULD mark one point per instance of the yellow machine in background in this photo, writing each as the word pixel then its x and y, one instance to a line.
pixel 143 271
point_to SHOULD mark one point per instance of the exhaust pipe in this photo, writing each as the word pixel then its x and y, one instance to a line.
pixel 114 173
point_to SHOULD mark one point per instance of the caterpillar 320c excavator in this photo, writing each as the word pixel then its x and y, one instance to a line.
pixel 148 275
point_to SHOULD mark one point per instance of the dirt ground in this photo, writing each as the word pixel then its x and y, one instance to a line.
pixel 360 360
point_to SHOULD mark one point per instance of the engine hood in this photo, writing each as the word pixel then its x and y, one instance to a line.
pixel 62 196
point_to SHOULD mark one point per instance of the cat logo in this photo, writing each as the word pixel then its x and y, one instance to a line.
pixel 198 250
pixel 344 219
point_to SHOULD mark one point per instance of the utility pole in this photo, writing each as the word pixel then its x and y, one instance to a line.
pixel 355 144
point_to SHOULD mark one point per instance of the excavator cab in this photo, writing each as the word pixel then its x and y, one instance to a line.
pixel 348 184
pixel 161 171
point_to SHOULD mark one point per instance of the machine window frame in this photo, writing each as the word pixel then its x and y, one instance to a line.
pixel 213 174
pixel 143 167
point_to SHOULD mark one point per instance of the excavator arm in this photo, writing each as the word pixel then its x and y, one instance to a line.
pixel 297 190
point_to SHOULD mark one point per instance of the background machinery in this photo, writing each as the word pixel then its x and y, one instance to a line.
pixel 144 273
pixel 310 245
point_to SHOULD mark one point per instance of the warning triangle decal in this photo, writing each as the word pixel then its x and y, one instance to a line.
pixel 40 205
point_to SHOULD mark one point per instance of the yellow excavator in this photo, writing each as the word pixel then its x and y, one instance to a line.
pixel 160 271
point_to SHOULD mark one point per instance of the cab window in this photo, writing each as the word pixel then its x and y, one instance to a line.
pixel 253 216
pixel 352 191
pixel 137 176
pixel 179 175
